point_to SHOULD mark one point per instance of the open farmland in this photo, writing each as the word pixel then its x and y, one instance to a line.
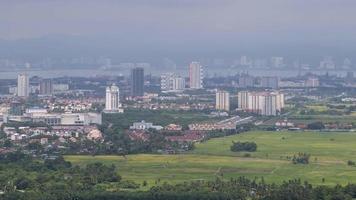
pixel 328 163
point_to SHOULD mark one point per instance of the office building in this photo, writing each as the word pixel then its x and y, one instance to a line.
pixel 222 100
pixel 46 87
pixel 112 99
pixel 195 75
pixel 23 85
pixel 137 82
pixel 263 103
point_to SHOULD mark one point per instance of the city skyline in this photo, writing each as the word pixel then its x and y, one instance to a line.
pixel 177 99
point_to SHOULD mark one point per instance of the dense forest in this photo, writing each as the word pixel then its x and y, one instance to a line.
pixel 23 177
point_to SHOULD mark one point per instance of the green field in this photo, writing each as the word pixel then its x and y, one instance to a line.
pixel 330 153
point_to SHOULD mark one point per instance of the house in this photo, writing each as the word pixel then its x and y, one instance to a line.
pixel 138 135
pixel 188 136
pixel 173 127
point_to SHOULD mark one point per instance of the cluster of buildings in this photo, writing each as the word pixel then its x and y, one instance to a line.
pixel 145 126
pixel 175 133
pixel 44 87
pixel 71 105
pixel 309 82
pixel 263 103
pixel 172 82
pixel 248 81
pixel 39 115
pixel 56 137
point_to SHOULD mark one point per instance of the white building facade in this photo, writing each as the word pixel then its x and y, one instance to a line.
pixel 263 103
pixel 112 99
pixel 23 85
pixel 222 100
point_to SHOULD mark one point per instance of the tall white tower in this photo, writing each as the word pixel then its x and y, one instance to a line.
pixel 222 101
pixel 23 85
pixel 112 100
pixel 195 75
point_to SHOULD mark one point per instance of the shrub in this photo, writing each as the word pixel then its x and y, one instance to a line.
pixel 351 163
pixel 301 158
pixel 243 146
pixel 316 126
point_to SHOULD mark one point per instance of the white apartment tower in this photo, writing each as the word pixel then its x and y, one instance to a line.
pixel 222 101
pixel 23 85
pixel 263 103
pixel 112 100
pixel 195 75
pixel 178 83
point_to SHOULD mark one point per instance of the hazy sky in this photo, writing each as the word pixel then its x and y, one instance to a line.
pixel 173 27
pixel 34 18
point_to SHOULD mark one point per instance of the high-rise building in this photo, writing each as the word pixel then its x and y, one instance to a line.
pixel 245 61
pixel 277 62
pixel 246 81
pixel 327 63
pixel 166 81
pixel 112 100
pixel 46 87
pixel 172 82
pixel 312 82
pixel 263 103
pixel 178 83
pixel 222 100
pixel 242 99
pixel 195 75
pixel 270 82
pixel 23 85
pixel 137 81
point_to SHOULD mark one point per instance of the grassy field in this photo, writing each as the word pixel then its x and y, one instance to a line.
pixel 330 153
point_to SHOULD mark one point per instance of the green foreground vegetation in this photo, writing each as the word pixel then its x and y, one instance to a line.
pixel 330 153
pixel 124 121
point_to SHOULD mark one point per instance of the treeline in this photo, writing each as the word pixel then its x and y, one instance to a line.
pixel 233 189
pixel 20 173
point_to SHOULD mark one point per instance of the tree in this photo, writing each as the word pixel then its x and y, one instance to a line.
pixel 316 126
